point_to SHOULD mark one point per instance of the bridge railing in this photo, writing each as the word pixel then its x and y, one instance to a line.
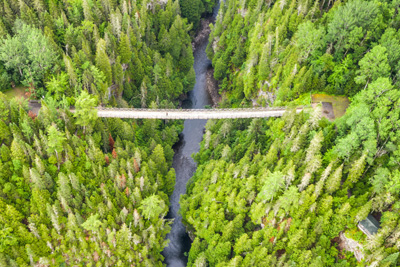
pixel 198 110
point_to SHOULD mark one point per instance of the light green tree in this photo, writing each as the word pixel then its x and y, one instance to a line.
pixel 333 182
pixel 309 39
pixel 357 169
pixel 58 85
pixel 55 142
pixel 102 60
pixel 85 112
pixel 92 223
pixel 273 183
pixel 124 49
pixel 17 150
pixel 4 131
pixel 29 52
pixel 373 65
pixel 350 22
pixel 152 207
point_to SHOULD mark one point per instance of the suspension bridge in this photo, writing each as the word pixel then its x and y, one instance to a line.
pixel 192 114
pixel 183 114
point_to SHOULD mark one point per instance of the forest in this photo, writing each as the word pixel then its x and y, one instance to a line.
pixel 279 192
pixel 125 52
pixel 78 190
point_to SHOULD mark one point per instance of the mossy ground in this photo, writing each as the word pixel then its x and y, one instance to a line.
pixel 18 91
pixel 339 103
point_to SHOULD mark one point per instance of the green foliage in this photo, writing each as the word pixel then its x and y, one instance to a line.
pixel 55 140
pixel 85 111
pixel 288 48
pixel 102 61
pixel 309 39
pixel 273 184
pixel 373 65
pixel 29 53
pixel 296 197
pixel 92 223
pixel 271 192
pixel 192 9
pixel 350 23
pixel 369 121
pixel 152 207
pixel 58 86
pixel 124 49
pixel 107 47
pixel 64 193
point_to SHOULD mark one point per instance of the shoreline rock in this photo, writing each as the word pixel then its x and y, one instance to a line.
pixel 212 87
pixel 352 246
pixel 203 32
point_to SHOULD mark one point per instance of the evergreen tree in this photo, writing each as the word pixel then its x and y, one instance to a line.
pixel 85 111
pixel 102 60
pixel 124 49
pixel 152 207
pixel 55 143
pixel 333 182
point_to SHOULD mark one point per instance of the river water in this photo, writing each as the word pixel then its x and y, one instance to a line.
pixel 183 163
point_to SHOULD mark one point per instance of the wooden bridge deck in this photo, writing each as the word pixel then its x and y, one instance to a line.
pixel 182 114
pixel 192 114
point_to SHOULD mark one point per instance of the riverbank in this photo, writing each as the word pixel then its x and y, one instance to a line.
pixel 179 242
pixel 203 32
pixel 201 37
pixel 212 87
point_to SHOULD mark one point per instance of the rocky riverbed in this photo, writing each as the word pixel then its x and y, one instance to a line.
pixel 212 87
pixel 202 33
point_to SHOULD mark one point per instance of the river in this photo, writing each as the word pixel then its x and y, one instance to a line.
pixel 183 163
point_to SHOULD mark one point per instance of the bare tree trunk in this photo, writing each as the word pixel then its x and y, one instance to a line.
pixel 58 161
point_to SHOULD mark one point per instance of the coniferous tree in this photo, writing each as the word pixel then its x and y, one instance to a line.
pixel 102 60
pixel 124 49
pixel 85 110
